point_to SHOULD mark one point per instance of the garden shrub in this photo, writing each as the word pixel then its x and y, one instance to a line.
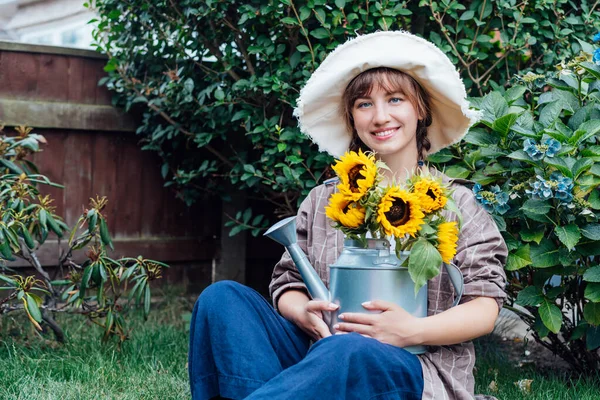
pixel 93 289
pixel 217 80
pixel 534 157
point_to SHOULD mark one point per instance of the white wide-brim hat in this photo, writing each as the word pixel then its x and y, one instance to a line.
pixel 320 109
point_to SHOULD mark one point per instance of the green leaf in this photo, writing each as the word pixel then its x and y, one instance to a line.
pixel 319 33
pixel 11 166
pixel 33 308
pixel 147 300
pixel 424 263
pixel 85 279
pixel 550 113
pixel 467 15
pixel 536 207
pixel 591 231
pixel 480 137
pixel 581 165
pixel 551 316
pixel 515 93
pixel 532 235
pixel 105 234
pixel 591 313
pixel 592 292
pixel 43 218
pixel 493 107
pixel 8 280
pixel 54 226
pixel 503 124
pixel 592 274
pixel 569 235
pixel 592 338
pixel 455 171
pixel 27 238
pixel 539 326
pixel 585 131
pixel 595 169
pixel 544 255
pixel 289 21
pixel 219 94
pixel 521 156
pixel 518 259
pixel 560 164
pixel 340 3
pixel 530 296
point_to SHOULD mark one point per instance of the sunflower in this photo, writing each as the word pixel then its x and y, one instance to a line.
pixel 399 212
pixel 357 172
pixel 344 211
pixel 430 194
pixel 447 239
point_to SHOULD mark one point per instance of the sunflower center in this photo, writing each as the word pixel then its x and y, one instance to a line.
pixel 353 176
pixel 346 208
pixel 399 213
pixel 430 194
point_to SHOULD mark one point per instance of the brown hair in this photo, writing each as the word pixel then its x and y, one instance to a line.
pixel 390 80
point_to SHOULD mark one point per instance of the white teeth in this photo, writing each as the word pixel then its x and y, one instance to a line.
pixel 385 133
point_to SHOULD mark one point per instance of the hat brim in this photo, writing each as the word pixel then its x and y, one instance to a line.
pixel 320 110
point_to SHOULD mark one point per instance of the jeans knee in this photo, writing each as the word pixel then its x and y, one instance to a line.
pixel 218 295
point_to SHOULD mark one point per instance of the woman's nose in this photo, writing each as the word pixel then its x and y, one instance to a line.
pixel 382 115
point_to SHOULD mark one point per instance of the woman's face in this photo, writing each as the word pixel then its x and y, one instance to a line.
pixel 386 123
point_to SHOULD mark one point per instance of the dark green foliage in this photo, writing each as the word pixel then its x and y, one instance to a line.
pixel 217 80
pixel 534 156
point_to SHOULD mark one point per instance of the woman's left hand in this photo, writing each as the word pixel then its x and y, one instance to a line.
pixel 393 325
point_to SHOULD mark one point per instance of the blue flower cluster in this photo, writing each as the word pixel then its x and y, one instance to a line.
pixel 558 186
pixel 596 56
pixel 548 148
pixel 491 200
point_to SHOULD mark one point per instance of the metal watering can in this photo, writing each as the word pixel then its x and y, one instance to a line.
pixel 362 273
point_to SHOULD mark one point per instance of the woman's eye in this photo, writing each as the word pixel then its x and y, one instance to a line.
pixel 363 104
pixel 395 100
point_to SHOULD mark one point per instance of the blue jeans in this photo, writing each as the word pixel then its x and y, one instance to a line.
pixel 240 347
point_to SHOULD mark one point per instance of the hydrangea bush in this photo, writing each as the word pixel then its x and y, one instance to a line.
pixel 534 159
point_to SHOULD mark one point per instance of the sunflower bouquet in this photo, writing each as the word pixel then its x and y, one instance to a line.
pixel 410 214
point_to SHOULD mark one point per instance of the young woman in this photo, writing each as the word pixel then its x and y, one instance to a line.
pixel 400 97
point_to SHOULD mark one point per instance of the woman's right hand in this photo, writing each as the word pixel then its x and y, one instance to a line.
pixel 307 314
pixel 309 318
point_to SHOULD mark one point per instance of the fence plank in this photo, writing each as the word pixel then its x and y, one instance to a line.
pixel 53 79
pixel 77 177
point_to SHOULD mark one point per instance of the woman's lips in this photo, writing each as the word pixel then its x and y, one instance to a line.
pixel 384 134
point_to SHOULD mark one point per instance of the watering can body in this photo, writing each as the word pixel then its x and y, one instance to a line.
pixel 363 272
pixel 371 272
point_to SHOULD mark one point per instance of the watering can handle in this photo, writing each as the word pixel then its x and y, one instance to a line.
pixel 457 280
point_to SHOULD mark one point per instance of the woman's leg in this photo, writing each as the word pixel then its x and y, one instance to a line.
pixel 238 342
pixel 348 366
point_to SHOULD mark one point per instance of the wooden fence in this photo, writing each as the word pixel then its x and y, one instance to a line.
pixel 93 150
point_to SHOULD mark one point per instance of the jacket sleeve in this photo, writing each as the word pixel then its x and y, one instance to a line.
pixel 481 252
pixel 285 274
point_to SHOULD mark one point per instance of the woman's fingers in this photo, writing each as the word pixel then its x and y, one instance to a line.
pixel 322 329
pixel 365 330
pixel 358 318
pixel 321 305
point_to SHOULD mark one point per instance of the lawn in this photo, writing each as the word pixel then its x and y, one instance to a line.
pixel 152 364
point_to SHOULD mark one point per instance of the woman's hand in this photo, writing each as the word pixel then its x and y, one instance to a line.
pixel 393 325
pixel 310 318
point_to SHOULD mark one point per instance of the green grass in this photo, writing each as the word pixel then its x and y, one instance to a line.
pixel 493 365
pixel 152 364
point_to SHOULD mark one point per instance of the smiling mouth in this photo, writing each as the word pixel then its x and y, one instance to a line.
pixel 385 133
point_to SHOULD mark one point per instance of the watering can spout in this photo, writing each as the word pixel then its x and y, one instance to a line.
pixel 284 232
